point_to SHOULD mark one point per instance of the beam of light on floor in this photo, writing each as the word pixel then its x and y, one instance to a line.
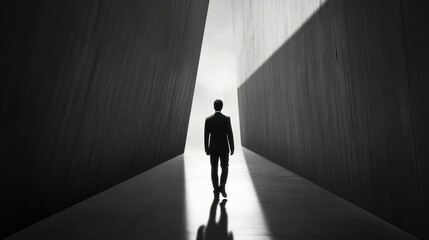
pixel 245 218
pixel 242 216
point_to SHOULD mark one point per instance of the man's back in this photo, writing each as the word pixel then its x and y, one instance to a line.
pixel 217 137
pixel 217 134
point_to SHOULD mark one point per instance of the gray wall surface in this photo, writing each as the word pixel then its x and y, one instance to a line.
pixel 91 94
pixel 343 100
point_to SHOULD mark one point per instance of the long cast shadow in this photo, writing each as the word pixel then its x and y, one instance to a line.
pixel 216 230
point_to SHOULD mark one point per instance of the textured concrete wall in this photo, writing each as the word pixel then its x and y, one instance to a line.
pixel 263 26
pixel 92 93
pixel 342 101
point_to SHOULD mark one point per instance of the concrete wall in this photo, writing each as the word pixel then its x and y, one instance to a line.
pixel 342 101
pixel 261 27
pixel 92 93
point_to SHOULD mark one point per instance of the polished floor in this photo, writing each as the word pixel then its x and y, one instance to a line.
pixel 174 201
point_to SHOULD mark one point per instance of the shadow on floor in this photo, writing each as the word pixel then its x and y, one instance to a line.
pixel 148 206
pixel 295 208
pixel 216 230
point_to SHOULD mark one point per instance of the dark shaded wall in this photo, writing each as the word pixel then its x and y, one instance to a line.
pixel 91 94
pixel 343 102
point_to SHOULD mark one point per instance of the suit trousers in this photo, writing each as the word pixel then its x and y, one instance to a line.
pixel 224 163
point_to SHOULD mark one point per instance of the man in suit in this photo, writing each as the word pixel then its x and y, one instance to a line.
pixel 218 140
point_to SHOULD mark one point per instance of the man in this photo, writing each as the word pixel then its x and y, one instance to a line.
pixel 218 140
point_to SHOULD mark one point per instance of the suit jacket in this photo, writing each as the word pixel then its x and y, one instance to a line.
pixel 218 134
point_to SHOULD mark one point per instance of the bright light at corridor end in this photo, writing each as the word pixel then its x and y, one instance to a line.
pixel 216 79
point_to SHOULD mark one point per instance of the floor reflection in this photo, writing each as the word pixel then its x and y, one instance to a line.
pixel 213 229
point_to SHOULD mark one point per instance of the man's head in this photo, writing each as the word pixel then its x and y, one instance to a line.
pixel 218 104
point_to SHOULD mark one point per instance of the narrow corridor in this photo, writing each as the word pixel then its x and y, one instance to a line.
pixel 174 201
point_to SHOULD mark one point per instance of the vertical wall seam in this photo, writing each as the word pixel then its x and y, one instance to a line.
pixel 409 101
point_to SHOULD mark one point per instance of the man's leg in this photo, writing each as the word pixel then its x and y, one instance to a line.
pixel 214 162
pixel 224 163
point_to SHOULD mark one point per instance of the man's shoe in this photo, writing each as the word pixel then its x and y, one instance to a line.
pixel 222 191
pixel 216 194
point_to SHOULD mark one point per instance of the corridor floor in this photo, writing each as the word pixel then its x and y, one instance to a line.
pixel 174 201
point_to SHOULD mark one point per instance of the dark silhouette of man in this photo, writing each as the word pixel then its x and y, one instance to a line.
pixel 218 140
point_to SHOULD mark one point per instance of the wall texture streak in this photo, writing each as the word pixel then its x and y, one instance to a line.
pixel 91 94
pixel 343 102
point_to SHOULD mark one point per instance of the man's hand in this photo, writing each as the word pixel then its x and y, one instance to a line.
pixel 232 152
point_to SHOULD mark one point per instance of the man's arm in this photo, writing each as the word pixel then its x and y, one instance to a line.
pixel 206 137
pixel 230 136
